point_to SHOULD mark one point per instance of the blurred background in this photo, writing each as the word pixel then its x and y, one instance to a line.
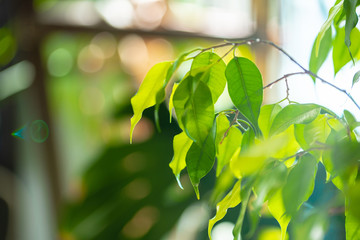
pixel 67 72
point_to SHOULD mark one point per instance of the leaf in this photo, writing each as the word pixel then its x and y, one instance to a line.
pixel 356 78
pixel 146 95
pixel 181 145
pixel 200 159
pixel 351 21
pixel 214 77
pixel 222 125
pixel 198 116
pixel 312 134
pixel 318 58
pixel 289 148
pixel 247 140
pixel 181 96
pixel 340 52
pixel 245 89
pixel 254 158
pixel 231 200
pixel 293 114
pixel 327 24
pixel 277 209
pixel 352 227
pixel 227 148
pixel 171 102
pixel 300 184
pixel 267 116
pixel 223 182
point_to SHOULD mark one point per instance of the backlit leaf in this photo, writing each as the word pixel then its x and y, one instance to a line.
pixel 267 116
pixel 214 77
pixel 231 200
pixel 318 58
pixel 277 210
pixel 341 54
pixel 245 89
pixel 227 148
pixel 327 24
pixel 181 145
pixel 146 95
pixel 171 102
pixel 200 159
pixel 300 184
pixel 294 114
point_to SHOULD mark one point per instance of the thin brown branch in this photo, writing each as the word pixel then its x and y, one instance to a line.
pixel 232 123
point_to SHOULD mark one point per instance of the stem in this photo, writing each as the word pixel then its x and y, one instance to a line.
pixel 232 123
pixel 240 220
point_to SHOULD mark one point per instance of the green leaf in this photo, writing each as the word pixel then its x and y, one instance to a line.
pixel 248 140
pixel 245 89
pixel 293 114
pixel 171 100
pixel 214 77
pixel 277 209
pixel 181 145
pixel 318 58
pixel 352 227
pixel 254 157
pixel 267 116
pixel 198 116
pixel 200 159
pixel 327 24
pixel 223 182
pixel 146 95
pixel 312 134
pixel 231 200
pixel 181 96
pixel 300 184
pixel 340 51
pixel 356 78
pixel 222 125
pixel 227 148
pixel 351 21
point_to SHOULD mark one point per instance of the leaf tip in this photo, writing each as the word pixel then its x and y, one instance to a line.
pixel 178 181
pixel 196 188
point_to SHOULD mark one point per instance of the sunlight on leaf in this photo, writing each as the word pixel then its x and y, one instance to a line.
pixel 351 21
pixel 245 89
pixel 267 116
pixel 277 209
pixel 146 95
pixel 231 200
pixel 171 102
pixel 294 114
pixel 181 146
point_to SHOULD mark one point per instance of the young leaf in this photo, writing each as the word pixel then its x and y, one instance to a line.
pixel 294 114
pixel 222 125
pixel 181 145
pixel 277 209
pixel 300 184
pixel 231 200
pixel 340 52
pixel 245 89
pixel 356 78
pixel 214 77
pixel 198 116
pixel 351 21
pixel 181 96
pixel 146 95
pixel 200 159
pixel 327 24
pixel 267 116
pixel 318 58
pixel 171 100
pixel 227 148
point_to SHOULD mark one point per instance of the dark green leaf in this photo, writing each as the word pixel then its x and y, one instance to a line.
pixel 318 58
pixel 351 21
pixel 340 52
pixel 300 184
pixel 200 159
pixel 214 76
pixel 146 95
pixel 356 78
pixel 245 89
pixel 294 114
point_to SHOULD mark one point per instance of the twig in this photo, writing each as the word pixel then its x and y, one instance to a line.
pixel 302 153
pixel 232 123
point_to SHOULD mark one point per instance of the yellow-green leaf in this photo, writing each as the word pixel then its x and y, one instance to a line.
pixel 181 145
pixel 267 116
pixel 171 102
pixel 277 209
pixel 232 199
pixel 146 95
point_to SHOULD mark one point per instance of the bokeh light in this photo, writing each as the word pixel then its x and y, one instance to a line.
pixel 39 131
pixel 91 59
pixel 117 13
pixel 91 100
pixel 148 14
pixel 106 42
pixel 60 62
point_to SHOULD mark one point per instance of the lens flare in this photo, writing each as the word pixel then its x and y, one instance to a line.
pixel 37 131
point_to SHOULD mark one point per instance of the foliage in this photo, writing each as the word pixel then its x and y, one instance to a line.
pixel 272 152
